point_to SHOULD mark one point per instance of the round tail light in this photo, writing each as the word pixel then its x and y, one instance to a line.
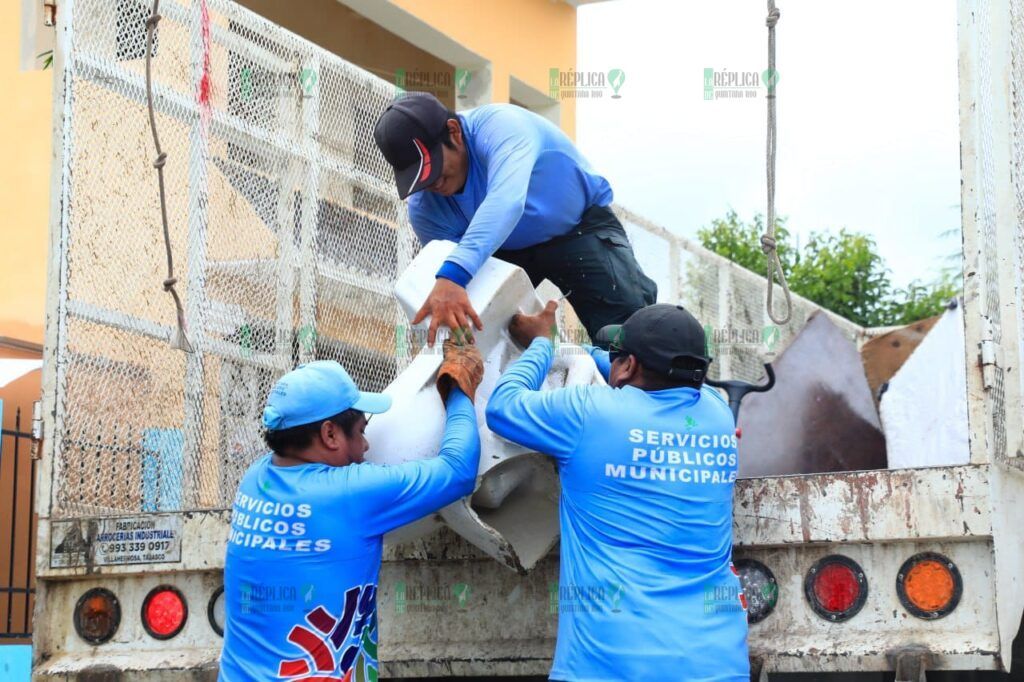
pixel 97 615
pixel 164 612
pixel 215 611
pixel 760 588
pixel 929 585
pixel 836 588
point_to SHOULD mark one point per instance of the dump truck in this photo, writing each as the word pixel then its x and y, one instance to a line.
pixel 289 238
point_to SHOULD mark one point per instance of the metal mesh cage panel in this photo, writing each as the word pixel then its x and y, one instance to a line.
pixel 285 229
pixel 287 237
pixel 986 216
pixel 1017 95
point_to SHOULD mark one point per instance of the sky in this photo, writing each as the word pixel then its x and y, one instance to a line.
pixel 867 109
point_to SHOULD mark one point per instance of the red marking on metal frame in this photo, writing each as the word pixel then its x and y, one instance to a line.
pixel 205 83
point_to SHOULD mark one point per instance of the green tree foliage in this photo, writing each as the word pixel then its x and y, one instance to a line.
pixel 919 300
pixel 841 272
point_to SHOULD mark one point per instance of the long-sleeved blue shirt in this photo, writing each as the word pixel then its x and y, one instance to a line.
pixel 527 183
pixel 647 590
pixel 304 555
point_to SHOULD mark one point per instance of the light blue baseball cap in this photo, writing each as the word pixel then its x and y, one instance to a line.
pixel 315 391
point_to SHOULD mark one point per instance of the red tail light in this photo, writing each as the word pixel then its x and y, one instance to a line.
pixel 164 612
pixel 836 588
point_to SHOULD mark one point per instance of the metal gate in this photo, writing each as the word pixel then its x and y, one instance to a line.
pixel 17 533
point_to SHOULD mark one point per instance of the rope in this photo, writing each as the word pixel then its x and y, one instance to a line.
pixel 768 239
pixel 178 339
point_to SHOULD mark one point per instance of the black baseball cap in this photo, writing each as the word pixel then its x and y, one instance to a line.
pixel 662 336
pixel 409 134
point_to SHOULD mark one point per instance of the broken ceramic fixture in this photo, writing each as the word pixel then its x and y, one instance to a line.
pixel 513 512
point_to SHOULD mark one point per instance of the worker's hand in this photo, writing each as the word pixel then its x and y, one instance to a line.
pixel 525 328
pixel 448 305
pixel 463 366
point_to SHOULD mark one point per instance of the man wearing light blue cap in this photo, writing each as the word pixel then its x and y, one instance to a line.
pixel 304 552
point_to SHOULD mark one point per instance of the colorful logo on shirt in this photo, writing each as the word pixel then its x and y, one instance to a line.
pixel 341 649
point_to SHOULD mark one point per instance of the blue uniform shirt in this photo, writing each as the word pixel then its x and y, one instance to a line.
pixel 527 183
pixel 647 590
pixel 304 554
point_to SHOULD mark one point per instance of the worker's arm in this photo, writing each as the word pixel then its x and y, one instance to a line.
pixel 546 421
pixel 507 147
pixel 601 359
pixel 386 497
pixel 428 221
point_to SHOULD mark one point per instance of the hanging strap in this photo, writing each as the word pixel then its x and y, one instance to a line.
pixel 768 239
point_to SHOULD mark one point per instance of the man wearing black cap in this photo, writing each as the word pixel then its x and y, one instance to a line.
pixel 504 181
pixel 647 589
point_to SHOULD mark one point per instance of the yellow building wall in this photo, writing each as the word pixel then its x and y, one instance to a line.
pixel 521 38
pixel 24 185
pixel 335 27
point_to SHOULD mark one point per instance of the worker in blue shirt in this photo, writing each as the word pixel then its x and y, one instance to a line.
pixel 304 551
pixel 503 181
pixel 647 590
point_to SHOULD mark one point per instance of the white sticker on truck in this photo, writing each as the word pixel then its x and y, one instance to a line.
pixel 146 539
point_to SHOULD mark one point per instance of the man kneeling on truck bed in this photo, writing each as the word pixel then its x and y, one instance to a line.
pixel 504 181
pixel 647 466
pixel 304 554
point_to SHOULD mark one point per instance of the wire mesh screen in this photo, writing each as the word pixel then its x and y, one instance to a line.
pixel 286 233
pixel 986 216
pixel 1017 95
pixel 287 237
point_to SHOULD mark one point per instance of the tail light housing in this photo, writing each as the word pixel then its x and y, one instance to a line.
pixel 215 611
pixel 836 588
pixel 164 612
pixel 97 615
pixel 760 588
pixel 929 585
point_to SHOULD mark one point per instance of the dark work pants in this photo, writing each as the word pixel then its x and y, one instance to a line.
pixel 595 265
